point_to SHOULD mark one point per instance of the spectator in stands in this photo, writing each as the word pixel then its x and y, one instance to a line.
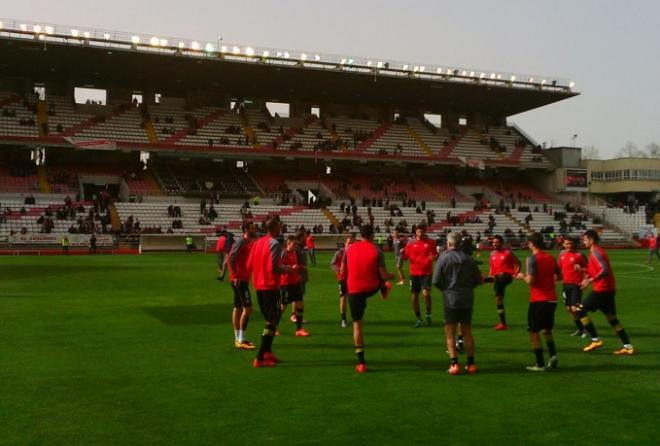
pixel 65 245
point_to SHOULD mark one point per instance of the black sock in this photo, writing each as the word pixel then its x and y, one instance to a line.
pixel 500 312
pixel 460 339
pixel 418 315
pixel 620 331
pixel 470 360
pixel 359 351
pixel 538 352
pixel 266 341
pixel 454 360
pixel 343 316
pixel 299 318
pixel 587 324
pixel 579 325
pixel 247 319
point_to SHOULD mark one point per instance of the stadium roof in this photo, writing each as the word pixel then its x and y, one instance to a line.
pixel 175 67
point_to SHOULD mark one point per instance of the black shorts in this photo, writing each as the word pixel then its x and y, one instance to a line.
pixel 269 304
pixel 572 294
pixel 418 283
pixel 454 316
pixel 221 259
pixel 358 303
pixel 291 293
pixel 541 316
pixel 343 288
pixel 500 282
pixel 599 300
pixel 242 298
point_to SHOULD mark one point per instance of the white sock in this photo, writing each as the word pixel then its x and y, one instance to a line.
pixel 241 335
pixel 628 345
pixel 236 332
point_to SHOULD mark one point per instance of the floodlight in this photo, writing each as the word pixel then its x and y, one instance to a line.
pixel 1 25
pixel 106 36
pixel 464 73
pixel 342 61
pixel 471 73
pixel 135 40
pixel 266 53
pixel 181 45
pixel 379 64
pixel 74 32
pixel 317 57
pixel 303 56
pixel 23 27
pixel 405 67
pixel 513 78
pixel 278 54
pixel 163 42
pixel 194 46
pixel 208 48
pixel 86 34
pixel 499 76
pixel 439 71
pixel 369 63
pixel 286 54
pixel 223 49
pixel 571 85
pixel 482 75
pixel 37 28
pixel 154 41
pixel 492 75
pixel 415 69
pixel 422 68
pixel 350 61
pixel 543 82
pixel 249 51
pixel 236 50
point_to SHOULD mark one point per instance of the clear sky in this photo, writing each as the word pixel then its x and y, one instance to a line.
pixel 611 49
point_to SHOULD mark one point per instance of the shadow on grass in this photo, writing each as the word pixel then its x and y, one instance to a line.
pixel 208 314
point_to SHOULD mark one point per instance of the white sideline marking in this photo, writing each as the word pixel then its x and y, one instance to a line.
pixel 628 273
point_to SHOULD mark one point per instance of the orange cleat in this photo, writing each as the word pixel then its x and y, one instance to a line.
pixel 454 369
pixel 361 368
pixel 263 363
pixel 302 332
pixel 269 356
pixel 471 369
pixel 500 327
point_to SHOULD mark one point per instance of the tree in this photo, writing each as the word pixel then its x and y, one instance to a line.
pixel 630 150
pixel 653 150
pixel 590 153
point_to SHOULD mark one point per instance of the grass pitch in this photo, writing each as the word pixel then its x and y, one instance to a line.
pixel 139 350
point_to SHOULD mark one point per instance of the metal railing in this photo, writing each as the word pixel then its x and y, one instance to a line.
pixel 71 35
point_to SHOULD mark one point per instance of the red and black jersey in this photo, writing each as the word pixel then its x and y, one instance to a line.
pixel 309 242
pixel 336 262
pixel 291 277
pixel 238 259
pixel 567 261
pixel 600 270
pixel 542 267
pixel 421 254
pixel 264 264
pixel 503 261
pixel 361 264
pixel 220 245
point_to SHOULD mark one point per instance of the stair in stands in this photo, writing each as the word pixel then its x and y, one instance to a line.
pixel 201 123
pixel 245 123
pixel 94 120
pixel 435 192
pixel 293 131
pixel 152 182
pixel 440 225
pixel 425 147
pixel 517 153
pixel 235 224
pixel 150 130
pixel 114 218
pixel 446 150
pixel 43 180
pixel 380 131
pixel 331 217
pixel 42 118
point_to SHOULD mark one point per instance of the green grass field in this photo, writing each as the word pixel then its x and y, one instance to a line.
pixel 139 350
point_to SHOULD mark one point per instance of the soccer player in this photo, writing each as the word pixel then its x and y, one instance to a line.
pixel 291 283
pixel 335 264
pixel 239 277
pixel 540 275
pixel 504 266
pixel 457 274
pixel 220 252
pixel 265 268
pixel 301 239
pixel 397 246
pixel 603 289
pixel 366 274
pixel 653 247
pixel 571 265
pixel 309 243
pixel 421 252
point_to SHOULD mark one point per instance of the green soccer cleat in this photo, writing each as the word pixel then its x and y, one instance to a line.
pixel 535 368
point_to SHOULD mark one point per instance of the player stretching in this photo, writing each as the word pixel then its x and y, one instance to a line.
pixel 291 283
pixel 571 265
pixel 421 253
pixel 265 268
pixel 504 266
pixel 654 248
pixel 397 246
pixel 603 289
pixel 335 264
pixel 366 274
pixel 220 252
pixel 540 276
pixel 238 277
pixel 457 274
